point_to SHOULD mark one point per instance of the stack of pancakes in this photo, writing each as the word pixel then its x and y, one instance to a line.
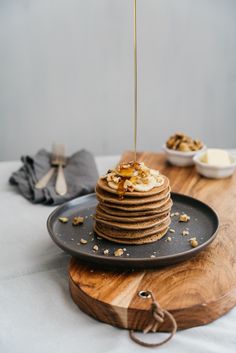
pixel 136 218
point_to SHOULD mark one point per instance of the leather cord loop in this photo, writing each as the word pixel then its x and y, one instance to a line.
pixel 159 315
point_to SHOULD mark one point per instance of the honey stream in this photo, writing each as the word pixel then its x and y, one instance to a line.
pixel 127 173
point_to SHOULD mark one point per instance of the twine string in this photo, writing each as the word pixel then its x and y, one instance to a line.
pixel 159 315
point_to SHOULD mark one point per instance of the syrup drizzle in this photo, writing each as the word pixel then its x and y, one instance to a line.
pixel 126 174
pixel 135 82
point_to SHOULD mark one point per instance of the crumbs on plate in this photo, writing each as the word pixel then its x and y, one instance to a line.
pixel 77 220
pixel 184 218
pixel 118 252
pixel 63 219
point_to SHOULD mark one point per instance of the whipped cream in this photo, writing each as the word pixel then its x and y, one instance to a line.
pixel 133 176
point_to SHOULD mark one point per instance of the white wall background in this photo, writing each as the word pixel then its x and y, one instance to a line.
pixel 66 73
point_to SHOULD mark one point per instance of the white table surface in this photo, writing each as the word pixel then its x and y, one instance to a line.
pixel 37 314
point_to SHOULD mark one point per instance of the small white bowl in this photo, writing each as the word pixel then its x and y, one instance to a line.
pixel 181 159
pixel 212 171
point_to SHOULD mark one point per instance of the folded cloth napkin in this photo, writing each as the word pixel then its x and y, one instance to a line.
pixel 80 172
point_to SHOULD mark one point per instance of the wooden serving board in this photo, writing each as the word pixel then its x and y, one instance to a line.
pixel 196 291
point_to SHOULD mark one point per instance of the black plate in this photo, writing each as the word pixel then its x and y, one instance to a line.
pixel 203 225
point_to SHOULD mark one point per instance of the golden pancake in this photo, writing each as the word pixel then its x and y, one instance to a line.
pixel 143 207
pixel 100 213
pixel 130 226
pixel 130 234
pixel 148 239
pixel 104 196
pixel 124 213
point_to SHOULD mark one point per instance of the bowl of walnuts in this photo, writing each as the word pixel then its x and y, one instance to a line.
pixel 180 149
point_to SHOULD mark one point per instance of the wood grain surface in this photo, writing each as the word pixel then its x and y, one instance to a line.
pixel 196 291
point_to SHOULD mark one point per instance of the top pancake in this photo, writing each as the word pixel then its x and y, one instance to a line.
pixel 104 196
pixel 103 185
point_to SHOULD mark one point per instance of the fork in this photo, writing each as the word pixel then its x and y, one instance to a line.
pixel 60 162
pixel 57 160
pixel 42 183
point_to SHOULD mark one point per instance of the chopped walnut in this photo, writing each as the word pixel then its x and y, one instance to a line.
pixel 128 185
pixel 116 180
pixel 95 248
pixel 184 218
pixel 106 252
pixel 118 252
pixel 193 242
pixel 83 241
pixel 169 239
pixel 185 232
pixel 63 219
pixel 183 143
pixel 77 220
pixel 171 230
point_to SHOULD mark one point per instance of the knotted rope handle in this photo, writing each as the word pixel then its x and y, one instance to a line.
pixel 159 315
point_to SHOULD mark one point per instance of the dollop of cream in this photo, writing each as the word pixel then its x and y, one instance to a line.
pixel 133 176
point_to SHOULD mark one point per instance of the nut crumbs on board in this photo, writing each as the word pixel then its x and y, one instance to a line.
pixel 83 241
pixel 106 252
pixel 95 248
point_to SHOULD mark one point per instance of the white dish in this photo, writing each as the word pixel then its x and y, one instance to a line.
pixel 181 159
pixel 212 171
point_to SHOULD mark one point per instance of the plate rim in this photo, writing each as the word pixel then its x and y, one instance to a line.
pixel 115 260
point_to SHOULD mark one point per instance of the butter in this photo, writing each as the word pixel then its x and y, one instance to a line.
pixel 217 157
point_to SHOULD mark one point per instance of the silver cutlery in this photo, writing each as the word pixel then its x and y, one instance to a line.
pixel 58 161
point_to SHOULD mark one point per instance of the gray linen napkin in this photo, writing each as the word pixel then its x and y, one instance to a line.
pixel 80 172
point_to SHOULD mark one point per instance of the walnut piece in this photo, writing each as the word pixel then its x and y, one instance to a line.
pixel 118 252
pixel 63 219
pixel 77 220
pixel 183 143
pixel 193 242
pixel 184 218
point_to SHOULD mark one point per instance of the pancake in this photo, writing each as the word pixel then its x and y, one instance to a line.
pixel 104 186
pixel 132 226
pixel 132 217
pixel 104 196
pixel 144 207
pixel 128 233
pixel 123 213
pixel 100 213
pixel 148 239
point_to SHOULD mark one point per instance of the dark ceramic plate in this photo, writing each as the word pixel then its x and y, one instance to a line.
pixel 203 225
